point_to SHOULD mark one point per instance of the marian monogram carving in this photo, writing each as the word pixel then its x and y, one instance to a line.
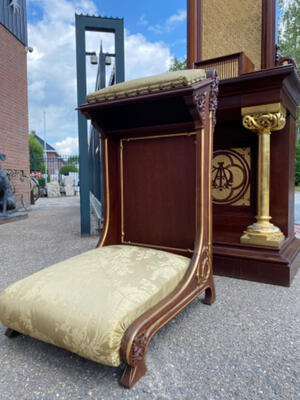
pixel 231 176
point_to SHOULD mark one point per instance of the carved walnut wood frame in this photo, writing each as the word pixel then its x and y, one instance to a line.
pixel 202 105
pixel 201 101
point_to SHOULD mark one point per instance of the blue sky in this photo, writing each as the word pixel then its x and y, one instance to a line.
pixel 155 31
pixel 157 20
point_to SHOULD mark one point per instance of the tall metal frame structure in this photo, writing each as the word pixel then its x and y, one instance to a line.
pixel 85 23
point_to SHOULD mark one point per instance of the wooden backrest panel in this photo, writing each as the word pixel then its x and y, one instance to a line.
pixel 158 190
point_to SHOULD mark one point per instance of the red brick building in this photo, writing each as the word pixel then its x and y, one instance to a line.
pixel 54 160
pixel 13 96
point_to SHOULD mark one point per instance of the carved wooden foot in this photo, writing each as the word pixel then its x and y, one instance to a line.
pixel 132 374
pixel 10 333
pixel 210 294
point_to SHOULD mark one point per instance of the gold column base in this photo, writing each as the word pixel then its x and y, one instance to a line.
pixel 263 234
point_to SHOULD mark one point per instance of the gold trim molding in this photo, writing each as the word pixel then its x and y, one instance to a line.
pixel 263 120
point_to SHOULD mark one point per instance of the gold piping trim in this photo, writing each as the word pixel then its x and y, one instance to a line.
pixel 122 191
pixel 129 344
pixel 159 136
pixel 158 246
pixel 107 195
pixel 186 299
pixel 202 201
pixel 209 184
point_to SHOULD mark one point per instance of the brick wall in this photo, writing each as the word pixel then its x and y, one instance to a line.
pixel 14 113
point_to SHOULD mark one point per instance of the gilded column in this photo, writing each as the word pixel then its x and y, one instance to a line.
pixel 263 120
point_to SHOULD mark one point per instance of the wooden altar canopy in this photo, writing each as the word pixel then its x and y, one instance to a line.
pixel 218 28
pixel 254 141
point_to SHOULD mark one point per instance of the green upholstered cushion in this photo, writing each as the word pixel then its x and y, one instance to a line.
pixel 86 303
pixel 148 84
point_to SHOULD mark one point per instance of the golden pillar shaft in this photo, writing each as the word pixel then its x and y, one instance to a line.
pixel 263 120
pixel 263 195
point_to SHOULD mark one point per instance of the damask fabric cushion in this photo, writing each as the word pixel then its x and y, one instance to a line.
pixel 149 84
pixel 86 303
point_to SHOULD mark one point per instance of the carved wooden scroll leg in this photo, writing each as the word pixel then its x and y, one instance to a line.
pixel 10 333
pixel 210 294
pixel 132 374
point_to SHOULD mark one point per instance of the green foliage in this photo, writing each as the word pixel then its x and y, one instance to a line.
pixel 74 160
pixel 297 170
pixel 42 182
pixel 36 153
pixel 289 36
pixel 66 169
pixel 289 30
pixel 178 64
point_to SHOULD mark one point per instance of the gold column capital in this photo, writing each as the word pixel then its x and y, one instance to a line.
pixel 264 119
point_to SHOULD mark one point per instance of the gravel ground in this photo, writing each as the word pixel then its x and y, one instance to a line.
pixel 243 347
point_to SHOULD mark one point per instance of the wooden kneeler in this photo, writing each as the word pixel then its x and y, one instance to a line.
pixel 157 150
pixel 157 139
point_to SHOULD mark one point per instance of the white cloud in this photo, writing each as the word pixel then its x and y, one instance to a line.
pixel 142 20
pixel 67 147
pixel 180 16
pixel 159 29
pixel 52 66
pixel 143 58
pixel 170 24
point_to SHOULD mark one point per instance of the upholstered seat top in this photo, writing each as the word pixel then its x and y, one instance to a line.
pixel 86 303
pixel 155 83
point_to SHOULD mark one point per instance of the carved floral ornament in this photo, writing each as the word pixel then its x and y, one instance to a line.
pixel 204 268
pixel 200 101
pixel 200 98
pixel 213 101
pixel 138 347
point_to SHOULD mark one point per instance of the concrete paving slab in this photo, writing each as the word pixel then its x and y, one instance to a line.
pixel 244 347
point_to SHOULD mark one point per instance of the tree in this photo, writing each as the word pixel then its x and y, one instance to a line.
pixel 178 64
pixel 74 160
pixel 289 29
pixel 36 153
pixel 297 169
pixel 66 169
pixel 289 35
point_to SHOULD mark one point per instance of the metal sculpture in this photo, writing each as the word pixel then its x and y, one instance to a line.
pixel 7 200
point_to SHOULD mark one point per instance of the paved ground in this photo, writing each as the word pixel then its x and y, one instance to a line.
pixel 244 347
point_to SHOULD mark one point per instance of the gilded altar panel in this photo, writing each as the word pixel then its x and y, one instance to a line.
pixel 232 26
pixel 231 170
